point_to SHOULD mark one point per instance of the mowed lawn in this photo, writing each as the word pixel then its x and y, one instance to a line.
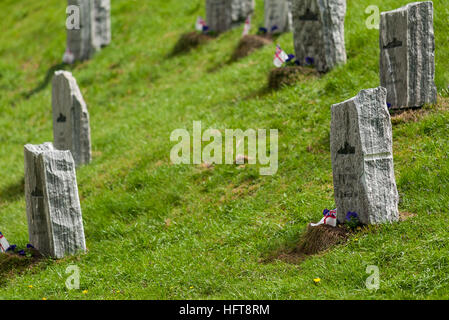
pixel 155 230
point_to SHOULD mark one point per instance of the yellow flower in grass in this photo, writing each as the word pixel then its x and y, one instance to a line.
pixel 316 280
pixel 85 291
pixel 30 286
pixel 44 298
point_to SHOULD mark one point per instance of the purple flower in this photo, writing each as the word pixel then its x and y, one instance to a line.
pixel 30 246
pixel 297 62
pixel 351 215
pixel 11 248
pixel 205 28
pixel 290 57
pixel 310 61
pixel 274 28
pixel 263 30
pixel 388 105
pixel 22 252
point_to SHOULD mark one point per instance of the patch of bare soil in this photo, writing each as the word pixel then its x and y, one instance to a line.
pixel 288 76
pixel 399 116
pixel 249 44
pixel 14 263
pixel 189 41
pixel 406 215
pixel 315 240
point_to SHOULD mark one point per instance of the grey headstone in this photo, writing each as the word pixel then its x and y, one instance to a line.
pixel 54 216
pixel 101 23
pixel 71 129
pixel 241 9
pixel 319 33
pixel 278 14
pixel 219 15
pixel 79 41
pixel 362 158
pixel 407 55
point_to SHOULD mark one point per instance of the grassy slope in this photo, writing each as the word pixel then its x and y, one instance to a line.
pixel 223 221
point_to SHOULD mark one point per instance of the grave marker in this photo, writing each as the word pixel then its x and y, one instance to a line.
pixel 219 15
pixel 79 41
pixel 318 30
pixel 94 32
pixel 278 18
pixel 71 130
pixel 55 222
pixel 362 158
pixel 407 55
pixel 241 9
pixel 101 23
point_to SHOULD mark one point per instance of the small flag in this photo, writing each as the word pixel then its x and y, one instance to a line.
pixel 330 218
pixel 279 57
pixel 4 244
pixel 200 24
pixel 247 26
pixel 68 57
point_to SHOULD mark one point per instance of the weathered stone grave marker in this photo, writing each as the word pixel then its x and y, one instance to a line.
pixel 219 15
pixel 79 41
pixel 278 17
pixel 362 158
pixel 222 15
pixel 71 129
pixel 318 30
pixel 55 222
pixel 94 31
pixel 241 9
pixel 407 55
pixel 101 23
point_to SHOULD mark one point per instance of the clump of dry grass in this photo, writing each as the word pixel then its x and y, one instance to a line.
pixel 248 44
pixel 189 41
pixel 287 76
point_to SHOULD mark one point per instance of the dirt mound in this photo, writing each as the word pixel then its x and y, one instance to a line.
pixel 313 241
pixel 248 44
pixel 189 41
pixel 287 76
pixel 16 263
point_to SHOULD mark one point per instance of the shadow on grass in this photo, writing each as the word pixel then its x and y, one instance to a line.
pixel 13 191
pixel 46 81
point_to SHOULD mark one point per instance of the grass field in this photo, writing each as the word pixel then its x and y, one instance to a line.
pixel 155 230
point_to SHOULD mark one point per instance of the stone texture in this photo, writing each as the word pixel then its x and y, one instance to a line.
pixel 54 216
pixel 318 30
pixel 278 13
pixel 79 41
pixel 362 158
pixel 241 9
pixel 101 23
pixel 219 15
pixel 71 130
pixel 95 28
pixel 407 55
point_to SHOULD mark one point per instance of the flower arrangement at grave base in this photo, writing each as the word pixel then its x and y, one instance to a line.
pixel 263 32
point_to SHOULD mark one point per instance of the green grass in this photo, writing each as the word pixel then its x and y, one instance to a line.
pixel 222 221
